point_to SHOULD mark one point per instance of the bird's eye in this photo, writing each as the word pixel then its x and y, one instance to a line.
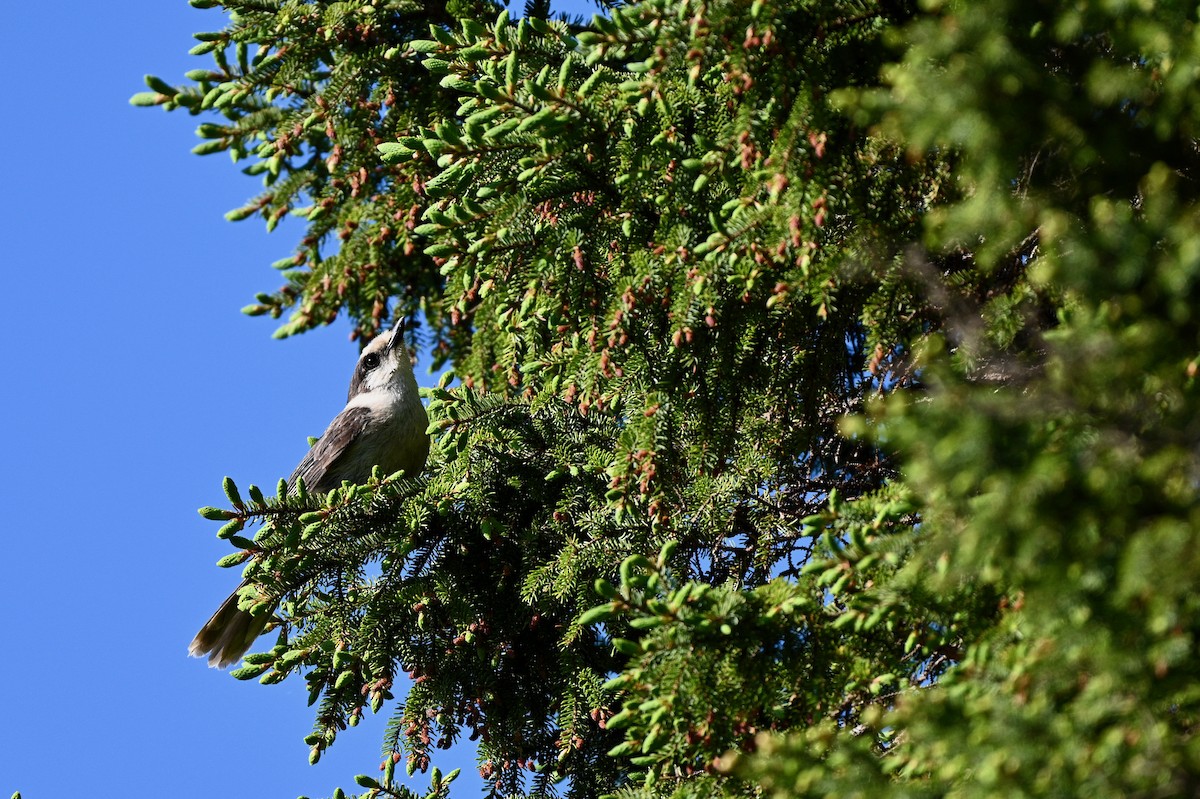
pixel 370 360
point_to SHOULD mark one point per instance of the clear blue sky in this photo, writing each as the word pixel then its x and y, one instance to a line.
pixel 132 385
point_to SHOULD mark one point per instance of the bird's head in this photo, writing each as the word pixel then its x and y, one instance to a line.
pixel 383 365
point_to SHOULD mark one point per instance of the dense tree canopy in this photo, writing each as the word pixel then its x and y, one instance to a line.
pixel 826 418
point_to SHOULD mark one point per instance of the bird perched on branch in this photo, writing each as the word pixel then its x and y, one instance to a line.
pixel 383 424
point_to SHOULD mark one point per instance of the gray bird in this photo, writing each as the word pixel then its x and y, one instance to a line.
pixel 383 424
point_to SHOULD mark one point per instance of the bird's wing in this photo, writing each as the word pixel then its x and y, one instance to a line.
pixel 318 467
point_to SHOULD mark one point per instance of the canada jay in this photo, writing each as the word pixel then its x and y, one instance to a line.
pixel 383 424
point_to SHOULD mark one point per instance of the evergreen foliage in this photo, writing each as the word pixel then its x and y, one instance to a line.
pixel 827 410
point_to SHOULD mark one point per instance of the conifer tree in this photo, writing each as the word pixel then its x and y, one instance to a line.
pixel 825 408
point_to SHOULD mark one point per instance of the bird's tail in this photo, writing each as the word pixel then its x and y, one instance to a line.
pixel 229 633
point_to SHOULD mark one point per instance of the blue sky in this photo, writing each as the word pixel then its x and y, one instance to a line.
pixel 133 385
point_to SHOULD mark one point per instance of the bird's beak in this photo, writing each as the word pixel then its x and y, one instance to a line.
pixel 397 334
